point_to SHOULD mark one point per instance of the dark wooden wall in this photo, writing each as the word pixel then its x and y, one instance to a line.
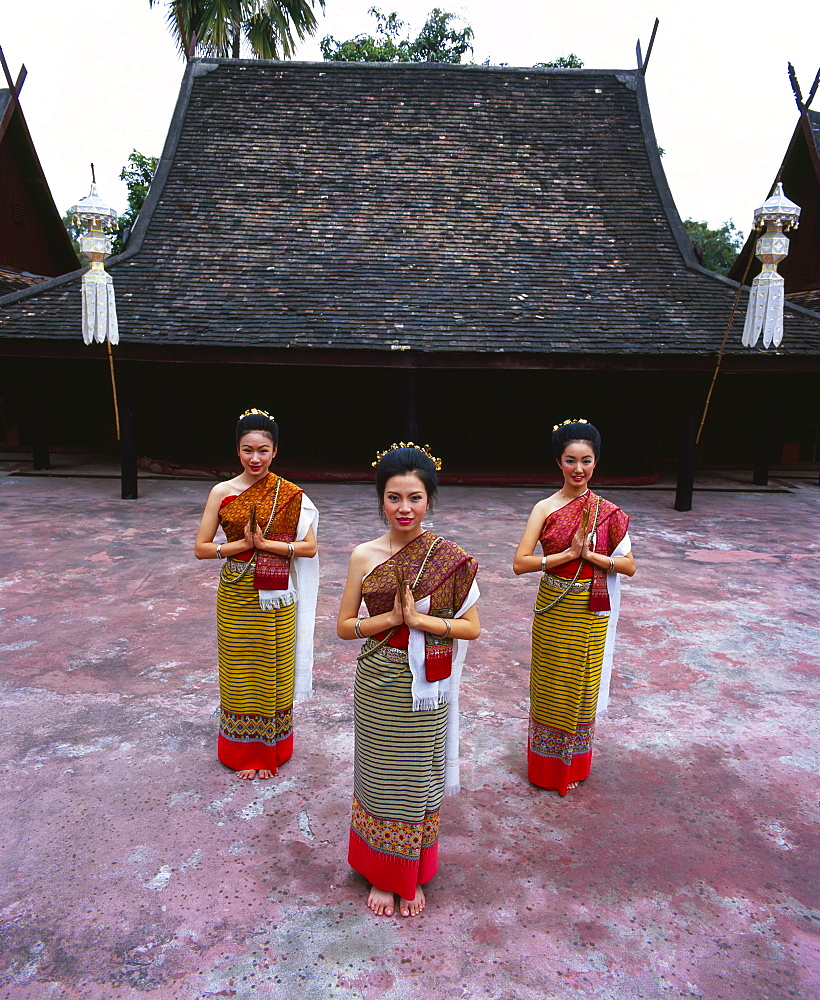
pixel 482 422
pixel 32 235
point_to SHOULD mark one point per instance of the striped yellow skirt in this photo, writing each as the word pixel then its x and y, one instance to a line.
pixel 567 655
pixel 257 658
pixel 398 781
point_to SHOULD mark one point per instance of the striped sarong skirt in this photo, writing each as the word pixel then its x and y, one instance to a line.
pixel 567 654
pixel 257 659
pixel 398 781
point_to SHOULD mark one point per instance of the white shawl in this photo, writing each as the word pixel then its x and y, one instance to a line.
pixel 614 587
pixel 429 695
pixel 303 588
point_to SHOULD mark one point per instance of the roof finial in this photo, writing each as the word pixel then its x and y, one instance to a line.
pixel 813 90
pixel 643 63
pixel 796 89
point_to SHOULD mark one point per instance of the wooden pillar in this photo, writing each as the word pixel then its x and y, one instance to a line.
pixel 686 459
pixel 128 439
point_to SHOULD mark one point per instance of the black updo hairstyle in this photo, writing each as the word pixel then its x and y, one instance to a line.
pixel 257 420
pixel 576 431
pixel 403 462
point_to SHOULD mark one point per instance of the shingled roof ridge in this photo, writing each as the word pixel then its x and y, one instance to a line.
pixel 217 61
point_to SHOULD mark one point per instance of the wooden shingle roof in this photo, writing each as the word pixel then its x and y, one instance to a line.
pixel 401 207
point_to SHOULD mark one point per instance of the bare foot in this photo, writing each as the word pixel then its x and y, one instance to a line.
pixel 247 775
pixel 412 907
pixel 265 773
pixel 573 784
pixel 380 902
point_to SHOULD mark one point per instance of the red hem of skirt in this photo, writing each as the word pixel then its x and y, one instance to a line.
pixel 554 774
pixel 256 756
pixel 388 873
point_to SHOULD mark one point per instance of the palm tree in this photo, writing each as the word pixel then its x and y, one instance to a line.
pixel 216 27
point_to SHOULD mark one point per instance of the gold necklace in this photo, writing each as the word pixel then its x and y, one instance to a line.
pixel 562 494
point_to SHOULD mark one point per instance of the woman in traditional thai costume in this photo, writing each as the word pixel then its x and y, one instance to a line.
pixel 266 602
pixel 585 546
pixel 420 593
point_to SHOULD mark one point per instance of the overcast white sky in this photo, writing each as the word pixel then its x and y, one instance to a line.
pixel 103 78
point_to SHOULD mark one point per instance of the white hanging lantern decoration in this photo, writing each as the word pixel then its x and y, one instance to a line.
pixel 99 308
pixel 765 311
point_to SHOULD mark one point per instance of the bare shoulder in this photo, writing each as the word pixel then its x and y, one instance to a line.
pixel 222 490
pixel 368 555
pixel 546 506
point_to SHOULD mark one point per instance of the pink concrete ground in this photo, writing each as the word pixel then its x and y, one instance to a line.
pixel 135 865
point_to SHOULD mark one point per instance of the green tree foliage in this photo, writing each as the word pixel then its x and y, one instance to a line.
pixel 271 28
pixel 718 247
pixel 438 41
pixel 137 174
pixel 563 62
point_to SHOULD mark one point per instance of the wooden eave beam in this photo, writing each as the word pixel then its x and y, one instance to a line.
pixel 747 363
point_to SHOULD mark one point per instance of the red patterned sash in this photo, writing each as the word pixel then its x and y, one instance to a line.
pixel 610 527
pixel 439 569
pixel 278 504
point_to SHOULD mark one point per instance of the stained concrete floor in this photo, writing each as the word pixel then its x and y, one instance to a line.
pixel 135 865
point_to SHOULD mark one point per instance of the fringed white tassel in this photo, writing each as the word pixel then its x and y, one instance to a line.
pixel 99 308
pixel 271 600
pixel 765 311
pixel 430 704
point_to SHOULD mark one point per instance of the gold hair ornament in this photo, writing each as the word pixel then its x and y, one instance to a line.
pixel 409 444
pixel 259 413
pixel 564 423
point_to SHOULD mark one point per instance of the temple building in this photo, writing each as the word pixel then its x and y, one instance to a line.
pixel 463 255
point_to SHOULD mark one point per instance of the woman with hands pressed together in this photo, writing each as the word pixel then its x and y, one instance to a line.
pixel 585 546
pixel 420 593
pixel 266 602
